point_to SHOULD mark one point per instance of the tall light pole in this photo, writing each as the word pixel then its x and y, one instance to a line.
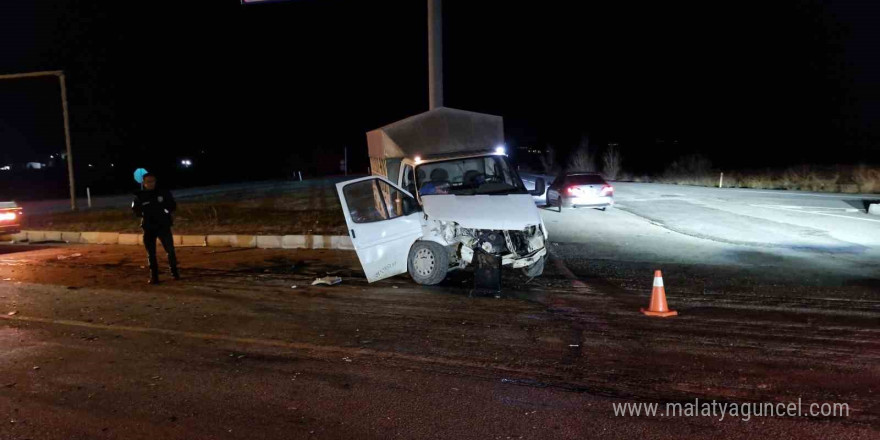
pixel 60 75
pixel 435 53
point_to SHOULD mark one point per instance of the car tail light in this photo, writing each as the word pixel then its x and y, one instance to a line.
pixel 572 189
pixel 7 216
pixel 607 190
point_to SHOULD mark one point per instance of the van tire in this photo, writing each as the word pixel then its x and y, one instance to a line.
pixel 428 262
pixel 536 269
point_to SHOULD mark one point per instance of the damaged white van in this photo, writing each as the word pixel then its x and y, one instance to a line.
pixel 432 205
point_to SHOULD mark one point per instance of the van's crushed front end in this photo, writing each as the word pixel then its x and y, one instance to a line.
pixel 517 249
pixel 507 226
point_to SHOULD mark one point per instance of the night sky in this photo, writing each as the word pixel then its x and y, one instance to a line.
pixel 258 91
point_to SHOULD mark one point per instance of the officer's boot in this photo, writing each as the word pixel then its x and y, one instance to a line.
pixel 172 262
pixel 154 275
pixel 154 269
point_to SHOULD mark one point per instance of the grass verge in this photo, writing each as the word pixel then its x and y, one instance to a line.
pixel 311 210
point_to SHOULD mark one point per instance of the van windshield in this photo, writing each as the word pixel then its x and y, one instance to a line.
pixel 473 175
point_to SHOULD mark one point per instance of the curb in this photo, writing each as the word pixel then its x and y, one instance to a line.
pixel 337 242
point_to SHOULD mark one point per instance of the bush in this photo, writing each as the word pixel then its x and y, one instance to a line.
pixel 806 178
pixel 582 159
pixel 548 161
pixel 611 162
pixel 692 166
pixel 868 179
pixel 690 170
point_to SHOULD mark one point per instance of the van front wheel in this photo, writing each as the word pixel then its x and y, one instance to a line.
pixel 428 262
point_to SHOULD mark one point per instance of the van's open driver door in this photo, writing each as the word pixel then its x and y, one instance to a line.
pixel 383 223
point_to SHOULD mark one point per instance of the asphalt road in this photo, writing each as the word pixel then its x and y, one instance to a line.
pixel 796 237
pixel 234 351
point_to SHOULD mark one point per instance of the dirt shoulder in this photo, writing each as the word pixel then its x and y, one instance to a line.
pixel 544 334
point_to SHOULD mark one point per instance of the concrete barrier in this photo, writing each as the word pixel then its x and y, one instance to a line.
pixel 238 241
pixel 71 237
pixel 35 236
pixel 192 240
pixel 52 235
pixel 243 241
pixel 874 209
pixel 219 240
pixel 41 236
pixel 320 241
pixel 99 238
pixel 269 241
pixel 342 242
pixel 131 239
pixel 294 242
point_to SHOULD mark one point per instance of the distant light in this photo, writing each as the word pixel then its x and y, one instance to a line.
pixel 418 159
pixel 91 166
pixel 112 165
pixel 500 150
pixel 7 216
pixel 51 156
pixel 186 162
pixel 5 168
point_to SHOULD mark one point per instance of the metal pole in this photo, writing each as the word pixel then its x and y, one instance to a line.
pixel 721 181
pixel 60 75
pixel 435 53
pixel 31 74
pixel 89 196
pixel 67 142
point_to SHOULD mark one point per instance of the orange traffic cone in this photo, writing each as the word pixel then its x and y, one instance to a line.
pixel 658 299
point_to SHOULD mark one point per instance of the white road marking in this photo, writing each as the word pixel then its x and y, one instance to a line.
pixel 811 208
pixel 782 208
pixel 787 193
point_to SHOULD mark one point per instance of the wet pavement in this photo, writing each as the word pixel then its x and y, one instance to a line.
pixel 234 350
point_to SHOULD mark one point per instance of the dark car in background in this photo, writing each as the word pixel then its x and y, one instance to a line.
pixel 10 218
pixel 580 190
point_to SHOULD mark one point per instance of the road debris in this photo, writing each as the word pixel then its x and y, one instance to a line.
pixel 293 287
pixel 328 281
pixel 13 313
pixel 64 257
pixel 347 359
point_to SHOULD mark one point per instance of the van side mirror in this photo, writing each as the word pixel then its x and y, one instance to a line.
pixel 540 187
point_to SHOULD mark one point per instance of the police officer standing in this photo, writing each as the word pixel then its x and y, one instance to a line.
pixel 154 207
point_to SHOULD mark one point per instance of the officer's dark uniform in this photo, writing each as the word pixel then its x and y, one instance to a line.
pixel 155 207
